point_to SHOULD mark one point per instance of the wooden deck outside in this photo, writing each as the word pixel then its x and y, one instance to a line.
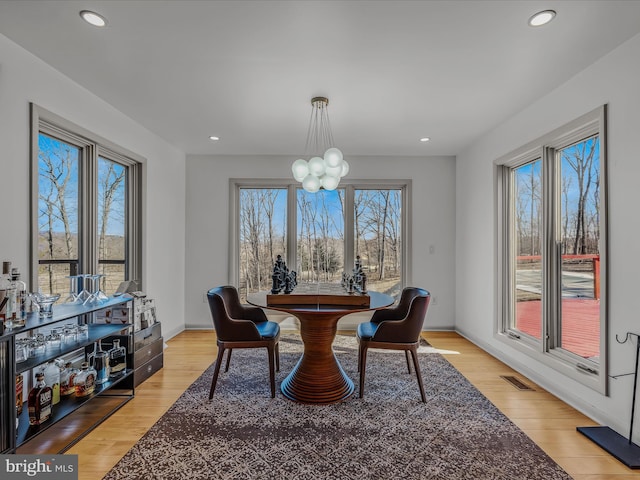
pixel 580 324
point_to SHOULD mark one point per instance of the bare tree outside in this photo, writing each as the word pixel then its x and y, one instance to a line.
pixel 320 236
pixel 580 162
pixel 58 164
pixel 262 235
pixel 111 223
pixel 378 216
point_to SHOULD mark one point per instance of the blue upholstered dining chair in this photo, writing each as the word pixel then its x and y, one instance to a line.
pixel 395 328
pixel 240 326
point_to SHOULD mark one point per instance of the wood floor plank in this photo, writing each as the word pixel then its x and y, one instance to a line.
pixel 547 420
pixel 544 418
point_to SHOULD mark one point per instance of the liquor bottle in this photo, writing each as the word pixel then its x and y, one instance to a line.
pixel 19 391
pixel 51 373
pixel 4 284
pixel 67 374
pixel 19 314
pixel 9 293
pixel 85 381
pixel 101 364
pixel 39 401
pixel 117 359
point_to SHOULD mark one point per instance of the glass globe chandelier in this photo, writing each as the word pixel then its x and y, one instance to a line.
pixel 320 172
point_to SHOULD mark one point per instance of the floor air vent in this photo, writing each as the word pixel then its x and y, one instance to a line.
pixel 516 383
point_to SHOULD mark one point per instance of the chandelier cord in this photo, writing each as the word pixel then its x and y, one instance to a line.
pixel 319 134
pixel 309 129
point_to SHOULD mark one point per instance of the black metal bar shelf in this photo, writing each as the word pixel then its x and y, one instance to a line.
pixel 65 311
pixel 97 331
pixel 66 406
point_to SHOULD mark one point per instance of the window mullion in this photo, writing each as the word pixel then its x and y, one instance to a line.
pixel 89 215
pixel 550 254
pixel 292 226
pixel 349 234
pixel 507 248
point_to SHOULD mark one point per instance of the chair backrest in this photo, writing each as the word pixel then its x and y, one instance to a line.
pixel 405 321
pixel 401 309
pixel 222 304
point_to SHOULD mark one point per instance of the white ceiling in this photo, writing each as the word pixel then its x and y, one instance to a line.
pixel 394 71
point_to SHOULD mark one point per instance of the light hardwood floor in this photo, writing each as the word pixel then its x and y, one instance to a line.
pixel 547 420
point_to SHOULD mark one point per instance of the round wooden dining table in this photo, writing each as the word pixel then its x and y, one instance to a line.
pixel 318 377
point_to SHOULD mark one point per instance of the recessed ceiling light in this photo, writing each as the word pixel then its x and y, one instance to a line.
pixel 542 18
pixel 425 139
pixel 93 18
pixel 214 138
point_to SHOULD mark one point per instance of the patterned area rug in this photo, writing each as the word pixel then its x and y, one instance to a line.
pixel 389 434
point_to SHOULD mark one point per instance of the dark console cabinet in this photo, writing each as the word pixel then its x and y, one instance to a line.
pixel 72 418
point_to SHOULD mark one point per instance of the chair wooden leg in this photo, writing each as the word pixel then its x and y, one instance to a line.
pixel 272 373
pixel 416 364
pixel 226 368
pixel 278 357
pixel 363 367
pixel 216 370
pixel 406 355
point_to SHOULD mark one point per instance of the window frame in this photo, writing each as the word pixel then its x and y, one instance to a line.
pixel 235 184
pixel 92 147
pixel 547 350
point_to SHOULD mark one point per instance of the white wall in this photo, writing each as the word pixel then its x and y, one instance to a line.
pixel 23 79
pixel 433 223
pixel 613 80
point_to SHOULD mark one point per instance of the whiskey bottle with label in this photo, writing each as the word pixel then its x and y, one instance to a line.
pixel 39 401
pixel 67 375
pixel 117 359
pixel 85 381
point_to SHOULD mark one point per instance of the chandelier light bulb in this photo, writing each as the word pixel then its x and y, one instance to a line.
pixel 317 166
pixel 329 182
pixel 300 169
pixel 311 183
pixel 334 171
pixel 345 168
pixel 333 157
